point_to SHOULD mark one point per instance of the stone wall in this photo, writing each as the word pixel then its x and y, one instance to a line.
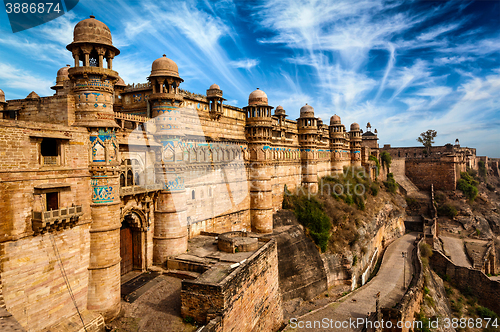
pixel 486 290
pixel 54 109
pixel 248 299
pixel 33 286
pixel 438 171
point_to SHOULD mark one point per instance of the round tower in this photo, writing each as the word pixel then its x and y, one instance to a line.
pixel 119 89
pixel 355 144
pixel 214 96
pixel 308 138
pixel 340 157
pixel 258 131
pixel 170 229
pixel 91 81
pixel 62 86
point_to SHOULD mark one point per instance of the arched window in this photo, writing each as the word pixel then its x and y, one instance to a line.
pixel 130 178
pixel 122 180
pixel 94 59
pixel 193 194
pixel 136 179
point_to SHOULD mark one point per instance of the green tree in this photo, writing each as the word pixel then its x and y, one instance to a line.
pixel 427 139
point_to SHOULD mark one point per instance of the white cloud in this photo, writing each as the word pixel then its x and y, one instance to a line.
pixel 246 64
pixel 16 78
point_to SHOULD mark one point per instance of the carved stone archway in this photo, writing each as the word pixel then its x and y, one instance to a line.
pixel 133 240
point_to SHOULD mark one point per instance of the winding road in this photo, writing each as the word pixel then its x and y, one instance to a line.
pixel 388 281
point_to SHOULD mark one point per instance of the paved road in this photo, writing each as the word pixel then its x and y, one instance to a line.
pixel 454 248
pixel 388 281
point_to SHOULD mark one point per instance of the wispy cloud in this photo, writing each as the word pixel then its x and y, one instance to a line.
pixel 246 64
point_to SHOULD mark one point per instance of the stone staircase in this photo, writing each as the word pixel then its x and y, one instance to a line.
pixel 408 186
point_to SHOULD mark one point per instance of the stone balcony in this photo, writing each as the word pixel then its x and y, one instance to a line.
pixel 140 189
pixel 46 221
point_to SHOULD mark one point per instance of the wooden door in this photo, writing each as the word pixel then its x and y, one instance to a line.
pixel 126 251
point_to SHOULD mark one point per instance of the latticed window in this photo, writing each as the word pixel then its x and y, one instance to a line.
pixel 50 151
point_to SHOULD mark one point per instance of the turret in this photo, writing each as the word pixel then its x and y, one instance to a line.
pixel 340 157
pixel 355 144
pixel 214 96
pixel 170 229
pixel 91 81
pixel 308 136
pixel 92 78
pixel 258 131
pixel 62 86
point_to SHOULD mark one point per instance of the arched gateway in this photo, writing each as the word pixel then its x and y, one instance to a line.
pixel 132 241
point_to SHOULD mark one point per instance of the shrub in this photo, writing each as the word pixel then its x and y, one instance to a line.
pixel 354 260
pixel 386 159
pixel 447 210
pixel 467 184
pixel 486 313
pixel 490 187
pixel 309 212
pixel 374 188
pixel 425 250
pixel 391 184
pixel 360 202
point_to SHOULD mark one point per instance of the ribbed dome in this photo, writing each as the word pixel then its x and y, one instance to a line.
pixel 335 120
pixel 164 67
pixel 214 86
pixel 258 97
pixel 92 31
pixel 2 96
pixel 307 111
pixel 320 121
pixel 279 110
pixel 354 126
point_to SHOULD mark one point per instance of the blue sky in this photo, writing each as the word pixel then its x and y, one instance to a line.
pixel 403 66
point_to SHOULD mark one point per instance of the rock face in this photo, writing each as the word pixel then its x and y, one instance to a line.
pixel 301 269
pixel 439 306
pixel 305 273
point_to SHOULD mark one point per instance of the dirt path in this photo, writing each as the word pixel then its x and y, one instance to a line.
pixel 388 281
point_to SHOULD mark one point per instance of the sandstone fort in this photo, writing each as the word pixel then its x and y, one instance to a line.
pixel 104 178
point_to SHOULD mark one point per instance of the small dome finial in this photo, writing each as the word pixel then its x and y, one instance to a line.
pixel 164 55
pixel 92 16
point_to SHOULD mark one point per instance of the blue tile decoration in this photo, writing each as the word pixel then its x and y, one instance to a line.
pixel 102 194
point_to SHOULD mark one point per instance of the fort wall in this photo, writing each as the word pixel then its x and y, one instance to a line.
pixel 248 299
pixel 486 290
pixel 33 286
pixel 440 172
